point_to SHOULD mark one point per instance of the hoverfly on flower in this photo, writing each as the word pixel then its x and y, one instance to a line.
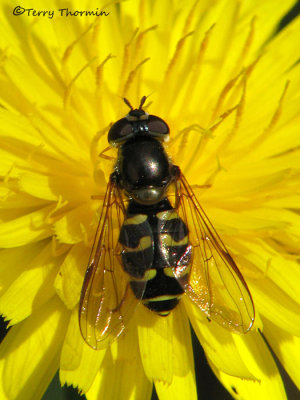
pixel 154 242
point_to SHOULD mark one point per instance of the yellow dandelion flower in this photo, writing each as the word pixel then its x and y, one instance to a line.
pixel 228 87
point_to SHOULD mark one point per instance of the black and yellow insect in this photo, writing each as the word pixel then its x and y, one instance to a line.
pixel 154 242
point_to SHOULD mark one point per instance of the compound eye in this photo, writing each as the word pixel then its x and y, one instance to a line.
pixel 120 132
pixel 157 127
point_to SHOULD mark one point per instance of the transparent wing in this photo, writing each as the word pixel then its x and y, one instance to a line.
pixel 107 301
pixel 215 284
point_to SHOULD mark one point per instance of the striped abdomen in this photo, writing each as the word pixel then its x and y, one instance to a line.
pixel 155 240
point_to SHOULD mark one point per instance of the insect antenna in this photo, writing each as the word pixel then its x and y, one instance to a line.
pixel 127 103
pixel 143 99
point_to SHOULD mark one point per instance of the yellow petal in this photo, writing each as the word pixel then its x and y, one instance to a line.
pixel 156 344
pixel 218 344
pixel 183 360
pixel 13 260
pixel 71 188
pixel 79 363
pixel 30 353
pixel 17 127
pixel 74 226
pixel 275 294
pixel 34 88
pixel 17 203
pixel 281 55
pixel 275 146
pixel 183 384
pixel 259 360
pixel 277 306
pixel 257 219
pixel 180 387
pixel 34 143
pixel 249 390
pixel 26 229
pixel 122 376
pixel 274 12
pixel 65 140
pixel 286 348
pixel 69 280
pixel 271 265
pixel 32 287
